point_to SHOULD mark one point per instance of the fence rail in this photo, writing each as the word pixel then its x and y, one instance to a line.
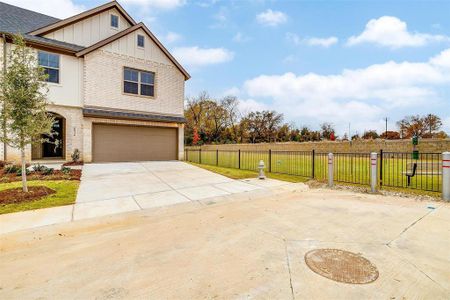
pixel 394 168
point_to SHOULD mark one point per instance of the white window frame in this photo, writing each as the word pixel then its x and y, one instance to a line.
pixel 143 40
pixel 110 21
pixel 53 68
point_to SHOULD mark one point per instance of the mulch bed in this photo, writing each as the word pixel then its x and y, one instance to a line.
pixel 16 195
pixel 56 175
pixel 73 163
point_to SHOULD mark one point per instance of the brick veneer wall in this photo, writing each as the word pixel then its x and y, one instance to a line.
pixel 73 133
pixel 363 146
pixel 103 82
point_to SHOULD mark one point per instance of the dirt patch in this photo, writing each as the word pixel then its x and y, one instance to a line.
pixel 56 175
pixel 341 266
pixel 16 195
pixel 315 184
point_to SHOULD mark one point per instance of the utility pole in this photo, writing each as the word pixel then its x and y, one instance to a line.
pixel 385 133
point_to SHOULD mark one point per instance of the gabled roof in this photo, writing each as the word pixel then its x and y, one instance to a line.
pixel 128 31
pixel 55 26
pixel 15 20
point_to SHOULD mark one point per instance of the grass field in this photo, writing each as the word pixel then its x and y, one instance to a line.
pixel 66 192
pixel 243 174
pixel 348 167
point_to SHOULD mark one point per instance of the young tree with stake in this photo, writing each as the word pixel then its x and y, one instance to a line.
pixel 23 98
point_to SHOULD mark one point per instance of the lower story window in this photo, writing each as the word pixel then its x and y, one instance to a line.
pixel 139 82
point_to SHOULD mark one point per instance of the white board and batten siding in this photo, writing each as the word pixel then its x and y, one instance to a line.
pixel 90 30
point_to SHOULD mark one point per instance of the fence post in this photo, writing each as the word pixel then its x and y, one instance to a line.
pixel 313 162
pixel 330 169
pixel 239 158
pixel 217 157
pixel 373 171
pixel 446 176
pixel 381 168
pixel 270 160
pixel 200 156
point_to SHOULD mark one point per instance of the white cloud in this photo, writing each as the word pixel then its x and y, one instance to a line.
pixel 249 105
pixel 240 38
pixel 293 38
pixel 55 8
pixel 220 18
pixel 446 125
pixel 311 41
pixel 392 32
pixel 323 42
pixel 234 91
pixel 362 96
pixel 271 18
pixel 172 37
pixel 196 57
pixel 158 4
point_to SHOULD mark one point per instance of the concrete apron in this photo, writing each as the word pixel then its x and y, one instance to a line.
pixel 204 195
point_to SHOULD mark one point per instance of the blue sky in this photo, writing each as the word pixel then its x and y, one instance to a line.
pixel 315 61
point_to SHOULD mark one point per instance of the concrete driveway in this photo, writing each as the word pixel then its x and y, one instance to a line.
pixel 108 189
pixel 120 187
pixel 234 247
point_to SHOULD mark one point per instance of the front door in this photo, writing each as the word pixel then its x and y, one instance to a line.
pixel 54 146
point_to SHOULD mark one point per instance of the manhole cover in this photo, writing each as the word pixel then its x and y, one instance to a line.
pixel 341 266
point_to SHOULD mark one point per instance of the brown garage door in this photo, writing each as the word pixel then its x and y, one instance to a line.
pixel 112 143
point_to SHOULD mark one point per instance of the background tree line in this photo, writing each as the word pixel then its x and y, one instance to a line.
pixel 211 121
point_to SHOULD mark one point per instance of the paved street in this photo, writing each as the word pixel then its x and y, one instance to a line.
pixel 246 245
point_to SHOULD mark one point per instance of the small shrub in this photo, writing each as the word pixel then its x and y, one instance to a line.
pixel 66 170
pixel 10 169
pixel 47 171
pixel 75 155
pixel 39 168
pixel 19 172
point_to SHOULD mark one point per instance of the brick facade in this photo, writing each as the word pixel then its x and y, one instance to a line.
pixel 103 82
pixel 94 79
pixel 73 135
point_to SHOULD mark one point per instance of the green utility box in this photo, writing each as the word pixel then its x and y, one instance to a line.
pixel 415 142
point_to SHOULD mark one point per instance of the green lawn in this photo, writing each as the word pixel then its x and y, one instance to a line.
pixel 66 192
pixel 243 174
pixel 347 169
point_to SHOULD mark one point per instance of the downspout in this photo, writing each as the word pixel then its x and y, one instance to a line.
pixel 4 73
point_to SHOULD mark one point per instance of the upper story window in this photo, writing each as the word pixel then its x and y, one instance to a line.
pixel 139 82
pixel 140 41
pixel 50 63
pixel 114 21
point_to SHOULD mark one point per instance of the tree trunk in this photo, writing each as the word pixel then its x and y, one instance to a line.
pixel 24 171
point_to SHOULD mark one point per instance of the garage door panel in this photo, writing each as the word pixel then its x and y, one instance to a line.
pixel 113 143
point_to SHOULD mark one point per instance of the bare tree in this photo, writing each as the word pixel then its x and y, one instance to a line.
pixel 432 123
pixel 326 129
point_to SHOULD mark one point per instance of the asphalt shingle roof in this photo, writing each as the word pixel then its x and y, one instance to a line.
pixel 15 20
pixel 93 112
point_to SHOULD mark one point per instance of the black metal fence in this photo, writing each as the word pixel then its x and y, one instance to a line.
pixel 394 169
